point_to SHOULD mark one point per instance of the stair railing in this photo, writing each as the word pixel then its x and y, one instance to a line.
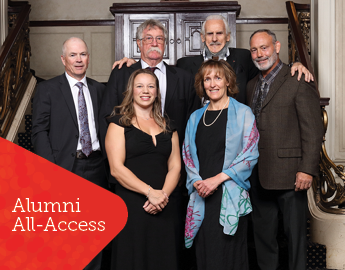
pixel 15 72
pixel 327 192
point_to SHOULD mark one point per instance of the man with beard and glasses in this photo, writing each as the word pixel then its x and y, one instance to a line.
pixel 215 35
pixel 288 118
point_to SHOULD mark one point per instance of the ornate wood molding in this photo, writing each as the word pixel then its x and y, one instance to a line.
pixel 328 193
pixel 15 68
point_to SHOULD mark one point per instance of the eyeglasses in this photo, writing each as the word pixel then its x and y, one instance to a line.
pixel 149 39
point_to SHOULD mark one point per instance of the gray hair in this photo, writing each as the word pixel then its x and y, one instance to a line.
pixel 216 17
pixel 267 31
pixel 150 24
pixel 64 44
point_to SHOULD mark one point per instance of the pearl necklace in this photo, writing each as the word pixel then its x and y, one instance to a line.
pixel 217 115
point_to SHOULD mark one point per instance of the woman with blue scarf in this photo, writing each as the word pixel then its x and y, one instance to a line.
pixel 219 151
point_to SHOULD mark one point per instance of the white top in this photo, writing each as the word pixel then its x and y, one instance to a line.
pixel 161 74
pixel 91 118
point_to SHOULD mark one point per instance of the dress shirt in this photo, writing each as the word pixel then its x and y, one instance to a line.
pixel 92 126
pixel 268 80
pixel 227 54
pixel 161 74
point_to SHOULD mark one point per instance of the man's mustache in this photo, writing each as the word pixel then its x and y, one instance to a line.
pixel 215 43
pixel 155 49
pixel 261 58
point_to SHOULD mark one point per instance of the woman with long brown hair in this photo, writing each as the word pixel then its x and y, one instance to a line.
pixel 143 153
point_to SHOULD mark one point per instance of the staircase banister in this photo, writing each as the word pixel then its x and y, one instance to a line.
pixel 298 37
pixel 14 33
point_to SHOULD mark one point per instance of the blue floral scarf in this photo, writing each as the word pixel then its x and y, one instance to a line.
pixel 241 155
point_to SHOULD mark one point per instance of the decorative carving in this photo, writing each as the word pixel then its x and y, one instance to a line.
pixel 12 17
pixel 327 192
pixel 14 73
pixel 304 21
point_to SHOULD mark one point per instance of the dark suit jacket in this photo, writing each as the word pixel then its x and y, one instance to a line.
pixel 239 59
pixel 55 131
pixel 180 100
pixel 290 130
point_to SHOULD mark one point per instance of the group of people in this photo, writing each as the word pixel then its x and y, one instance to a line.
pixel 235 128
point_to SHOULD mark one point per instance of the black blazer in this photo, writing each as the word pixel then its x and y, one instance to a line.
pixel 55 131
pixel 239 59
pixel 180 101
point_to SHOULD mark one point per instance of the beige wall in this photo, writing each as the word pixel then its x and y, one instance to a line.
pixel 46 45
pixel 99 9
pixel 46 41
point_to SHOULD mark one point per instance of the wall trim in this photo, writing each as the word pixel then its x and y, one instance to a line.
pixel 63 23
pixel 72 23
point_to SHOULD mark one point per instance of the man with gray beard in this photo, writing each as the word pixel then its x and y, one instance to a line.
pixel 288 118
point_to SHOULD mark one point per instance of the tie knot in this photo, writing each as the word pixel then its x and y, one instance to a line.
pixel 79 85
pixel 215 58
pixel 152 69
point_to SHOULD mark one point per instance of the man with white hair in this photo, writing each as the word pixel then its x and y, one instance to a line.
pixel 215 34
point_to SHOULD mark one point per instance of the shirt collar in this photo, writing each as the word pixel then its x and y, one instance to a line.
pixel 271 76
pixel 161 67
pixel 227 54
pixel 72 81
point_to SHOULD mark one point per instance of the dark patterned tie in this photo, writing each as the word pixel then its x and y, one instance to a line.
pixel 85 138
pixel 259 102
pixel 152 69
pixel 215 58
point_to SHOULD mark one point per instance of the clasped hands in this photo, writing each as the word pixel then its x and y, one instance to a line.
pixel 207 187
pixel 156 202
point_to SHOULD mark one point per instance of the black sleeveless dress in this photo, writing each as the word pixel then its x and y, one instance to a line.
pixel 147 242
pixel 214 249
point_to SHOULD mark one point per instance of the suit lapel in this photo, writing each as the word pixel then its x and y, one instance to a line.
pixel 94 98
pixel 172 81
pixel 231 60
pixel 274 87
pixel 67 94
pixel 197 61
pixel 135 66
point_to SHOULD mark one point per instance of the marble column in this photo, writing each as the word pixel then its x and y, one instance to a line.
pixel 3 21
pixel 328 58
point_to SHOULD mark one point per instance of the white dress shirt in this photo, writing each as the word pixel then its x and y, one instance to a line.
pixel 91 118
pixel 161 74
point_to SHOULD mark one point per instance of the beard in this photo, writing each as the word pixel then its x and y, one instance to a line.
pixel 221 53
pixel 270 61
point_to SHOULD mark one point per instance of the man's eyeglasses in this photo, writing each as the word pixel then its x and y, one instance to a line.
pixel 149 39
